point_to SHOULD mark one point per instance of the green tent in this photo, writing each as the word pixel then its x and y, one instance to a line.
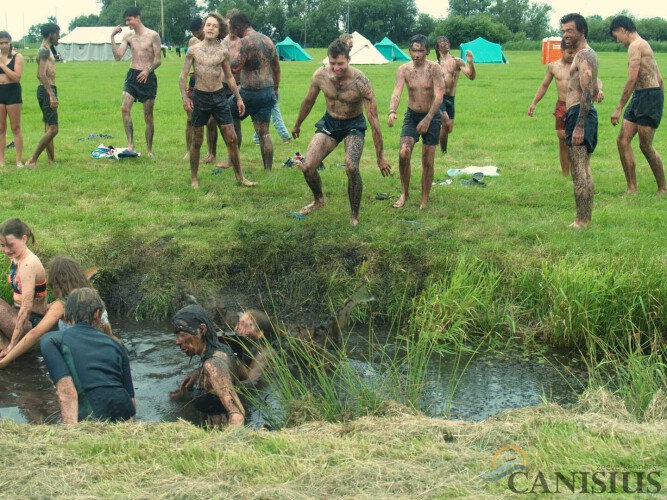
pixel 289 50
pixel 484 51
pixel 391 51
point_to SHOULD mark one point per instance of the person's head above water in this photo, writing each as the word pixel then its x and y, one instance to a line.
pixel 84 305
pixel 195 331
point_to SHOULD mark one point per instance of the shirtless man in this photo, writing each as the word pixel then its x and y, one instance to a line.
pixel 452 67
pixel 197 30
pixel 581 120
pixel 425 83
pixel 141 82
pixel 210 60
pixel 47 94
pixel 644 113
pixel 259 67
pixel 347 92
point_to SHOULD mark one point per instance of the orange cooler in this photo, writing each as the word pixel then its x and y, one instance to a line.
pixel 551 50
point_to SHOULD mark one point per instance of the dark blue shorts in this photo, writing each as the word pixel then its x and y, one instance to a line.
pixel 340 129
pixel 410 122
pixel 448 105
pixel 590 127
pixel 111 404
pixel 645 107
pixel 207 104
pixel 258 104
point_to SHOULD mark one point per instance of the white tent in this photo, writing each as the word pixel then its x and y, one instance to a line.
pixel 363 52
pixel 90 44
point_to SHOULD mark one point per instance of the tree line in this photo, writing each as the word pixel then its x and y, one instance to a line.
pixel 315 23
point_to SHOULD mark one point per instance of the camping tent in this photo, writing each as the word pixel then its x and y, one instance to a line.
pixel 289 50
pixel 90 44
pixel 391 51
pixel 484 51
pixel 363 52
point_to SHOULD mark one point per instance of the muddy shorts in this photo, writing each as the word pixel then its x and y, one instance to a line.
pixel 110 404
pixel 559 112
pixel 49 114
pixel 590 127
pixel 340 129
pixel 258 104
pixel 10 93
pixel 141 92
pixel 410 122
pixel 645 107
pixel 207 104
pixel 448 105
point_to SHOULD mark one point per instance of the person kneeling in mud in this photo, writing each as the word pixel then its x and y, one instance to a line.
pixel 213 382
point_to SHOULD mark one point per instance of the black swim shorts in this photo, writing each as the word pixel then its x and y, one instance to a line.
pixel 207 104
pixel 49 114
pixel 590 127
pixel 258 104
pixel 340 129
pixel 410 122
pixel 645 107
pixel 10 93
pixel 141 92
pixel 448 105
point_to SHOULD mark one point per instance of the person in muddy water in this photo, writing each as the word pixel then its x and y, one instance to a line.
pixel 347 92
pixel 251 342
pixel 213 382
pixel 91 371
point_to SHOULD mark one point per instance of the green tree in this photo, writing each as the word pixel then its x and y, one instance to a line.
pixel 425 25
pixel 84 21
pixel 460 30
pixel 653 29
pixel 467 8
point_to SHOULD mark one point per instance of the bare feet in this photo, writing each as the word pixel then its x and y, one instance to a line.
pixel 422 206
pixel 661 192
pixel 19 164
pixel 150 155
pixel 311 206
pixel 224 164
pixel 194 183
pixel 186 157
pixel 209 158
pixel 31 163
pixel 245 182
pixel 631 192
pixel 400 202
pixel 354 221
pixel 578 225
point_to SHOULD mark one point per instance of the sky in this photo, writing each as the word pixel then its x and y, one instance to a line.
pixel 17 17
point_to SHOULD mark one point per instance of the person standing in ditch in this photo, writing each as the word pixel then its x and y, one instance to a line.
pixel 644 112
pixel 347 92
pixel 210 60
pixel 581 120
pixel 452 68
pixel 425 83
pixel 140 82
pixel 47 93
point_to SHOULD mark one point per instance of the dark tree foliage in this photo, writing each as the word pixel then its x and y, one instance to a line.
pixel 460 30
pixel 84 21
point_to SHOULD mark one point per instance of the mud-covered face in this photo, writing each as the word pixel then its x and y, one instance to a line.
pixel 246 327
pixel 568 55
pixel 418 53
pixel 339 65
pixel 132 22
pixel 622 36
pixel 211 28
pixel 570 34
pixel 12 246
pixel 191 344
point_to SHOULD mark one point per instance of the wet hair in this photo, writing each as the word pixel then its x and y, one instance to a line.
pixel 17 228
pixel 82 304
pixel 64 275
pixel 422 40
pixel 622 22
pixel 222 24
pixel 196 24
pixel 437 42
pixel 263 323
pixel 579 22
pixel 48 29
pixel 239 21
pixel 338 48
pixel 189 318
pixel 132 11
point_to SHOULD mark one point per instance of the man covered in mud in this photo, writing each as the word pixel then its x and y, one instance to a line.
pixel 210 61
pixel 347 92
pixel 425 83
pixel 91 370
pixel 581 120
pixel 259 68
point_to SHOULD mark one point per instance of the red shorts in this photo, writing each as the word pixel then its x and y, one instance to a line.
pixel 559 112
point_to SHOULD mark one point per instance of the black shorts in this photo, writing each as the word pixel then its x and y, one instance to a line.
pixel 258 104
pixel 590 127
pixel 645 107
pixel 410 122
pixel 49 114
pixel 448 105
pixel 340 129
pixel 141 92
pixel 207 104
pixel 10 93
pixel 110 404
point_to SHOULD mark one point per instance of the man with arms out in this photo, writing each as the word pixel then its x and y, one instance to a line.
pixel 47 93
pixel 644 113
pixel 210 60
pixel 141 82
pixel 90 369
pixel 258 65
pixel 581 120
pixel 425 83
pixel 347 92
pixel 197 30
pixel 452 68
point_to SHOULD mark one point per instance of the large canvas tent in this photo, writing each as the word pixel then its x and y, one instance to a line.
pixel 90 44
pixel 289 50
pixel 484 51
pixel 363 52
pixel 391 51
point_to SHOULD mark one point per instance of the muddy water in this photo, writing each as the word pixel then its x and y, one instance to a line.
pixel 490 382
